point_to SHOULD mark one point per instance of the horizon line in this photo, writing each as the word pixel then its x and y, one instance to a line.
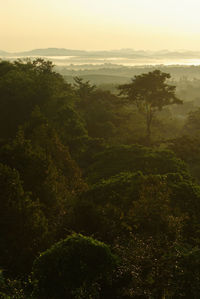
pixel 102 50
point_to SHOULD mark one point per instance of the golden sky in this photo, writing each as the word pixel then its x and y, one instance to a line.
pixel 99 24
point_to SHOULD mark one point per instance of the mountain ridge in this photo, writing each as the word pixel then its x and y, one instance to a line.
pixel 123 53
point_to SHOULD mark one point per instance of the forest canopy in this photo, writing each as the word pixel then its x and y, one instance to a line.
pixel 98 200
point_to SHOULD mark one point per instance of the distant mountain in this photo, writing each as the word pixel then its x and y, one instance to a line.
pixel 51 52
pixel 122 53
pixel 177 54
pixel 81 53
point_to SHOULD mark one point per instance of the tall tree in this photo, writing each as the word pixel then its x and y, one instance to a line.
pixel 150 92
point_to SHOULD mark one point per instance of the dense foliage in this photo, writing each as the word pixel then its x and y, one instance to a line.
pixel 91 206
pixel 150 92
pixel 84 264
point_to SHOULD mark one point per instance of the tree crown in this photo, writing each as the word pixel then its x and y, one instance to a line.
pixel 150 89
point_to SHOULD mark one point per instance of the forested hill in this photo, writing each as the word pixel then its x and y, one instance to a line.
pixel 100 194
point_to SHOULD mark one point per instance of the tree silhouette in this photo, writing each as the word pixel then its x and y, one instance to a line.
pixel 150 92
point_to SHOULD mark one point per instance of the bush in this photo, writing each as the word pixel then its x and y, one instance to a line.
pixel 76 267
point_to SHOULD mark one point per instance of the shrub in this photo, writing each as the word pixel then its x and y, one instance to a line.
pixel 76 267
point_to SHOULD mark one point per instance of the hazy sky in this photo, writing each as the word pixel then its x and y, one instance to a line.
pixel 99 24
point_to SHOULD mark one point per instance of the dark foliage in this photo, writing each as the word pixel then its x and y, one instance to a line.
pixel 74 169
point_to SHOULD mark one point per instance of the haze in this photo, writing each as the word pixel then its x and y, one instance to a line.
pixel 99 24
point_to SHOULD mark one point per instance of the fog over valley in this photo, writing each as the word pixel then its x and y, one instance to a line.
pixel 99 149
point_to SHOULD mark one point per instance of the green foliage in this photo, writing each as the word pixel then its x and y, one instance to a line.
pixel 23 227
pixel 15 87
pixel 24 85
pixel 83 89
pixel 2 286
pixel 133 202
pixel 134 158
pixel 192 126
pixel 153 224
pixel 150 93
pixel 187 147
pixel 45 166
pixel 104 205
pixel 99 110
pixel 142 201
pixel 45 139
pixel 73 268
pixel 11 288
pixel 160 268
pixel 72 131
pixel 187 272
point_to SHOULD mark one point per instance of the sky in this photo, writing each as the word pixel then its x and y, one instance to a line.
pixel 99 24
